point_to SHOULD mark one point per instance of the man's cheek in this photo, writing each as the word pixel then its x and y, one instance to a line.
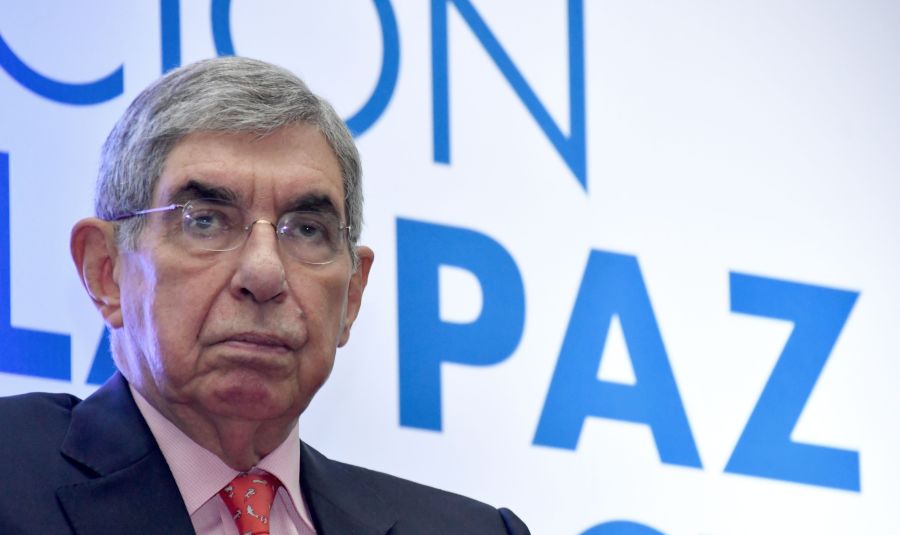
pixel 174 336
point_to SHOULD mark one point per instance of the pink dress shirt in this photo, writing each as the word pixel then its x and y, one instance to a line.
pixel 200 475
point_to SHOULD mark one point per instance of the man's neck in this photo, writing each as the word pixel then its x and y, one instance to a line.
pixel 239 443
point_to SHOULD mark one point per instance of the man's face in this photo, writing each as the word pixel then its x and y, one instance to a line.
pixel 249 333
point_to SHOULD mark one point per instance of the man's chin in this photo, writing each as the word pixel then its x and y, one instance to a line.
pixel 252 398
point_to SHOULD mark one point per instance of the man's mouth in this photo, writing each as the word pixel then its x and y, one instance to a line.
pixel 259 341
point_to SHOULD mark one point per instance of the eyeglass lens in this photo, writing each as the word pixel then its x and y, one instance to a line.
pixel 312 237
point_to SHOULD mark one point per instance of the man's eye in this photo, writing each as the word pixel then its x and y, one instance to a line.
pixel 310 230
pixel 206 222
pixel 306 228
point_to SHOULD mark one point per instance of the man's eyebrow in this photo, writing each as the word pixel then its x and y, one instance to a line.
pixel 314 202
pixel 194 189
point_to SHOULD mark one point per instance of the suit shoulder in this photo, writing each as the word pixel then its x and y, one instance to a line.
pixel 36 404
pixel 34 417
pixel 421 507
pixel 389 484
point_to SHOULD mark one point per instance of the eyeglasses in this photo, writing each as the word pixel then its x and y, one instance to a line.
pixel 215 225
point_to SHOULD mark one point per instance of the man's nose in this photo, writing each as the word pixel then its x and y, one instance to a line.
pixel 260 273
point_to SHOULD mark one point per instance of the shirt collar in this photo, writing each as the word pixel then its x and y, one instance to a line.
pixel 200 474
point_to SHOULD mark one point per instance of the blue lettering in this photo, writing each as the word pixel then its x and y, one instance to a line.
pixel 390 69
pixel 220 12
pixel 25 352
pixel 621 527
pixel 170 33
pixel 613 285
pixel 765 448
pixel 425 341
pixel 371 111
pixel 95 92
pixel 571 148
pixel 103 366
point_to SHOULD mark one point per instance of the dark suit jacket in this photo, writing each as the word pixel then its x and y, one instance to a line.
pixel 92 467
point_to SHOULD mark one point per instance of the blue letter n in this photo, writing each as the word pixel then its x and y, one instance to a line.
pixel 571 148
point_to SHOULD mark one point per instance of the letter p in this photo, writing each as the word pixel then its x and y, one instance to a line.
pixel 425 340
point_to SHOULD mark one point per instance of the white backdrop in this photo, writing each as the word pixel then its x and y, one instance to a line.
pixel 606 234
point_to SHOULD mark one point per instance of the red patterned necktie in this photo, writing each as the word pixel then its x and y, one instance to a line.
pixel 249 497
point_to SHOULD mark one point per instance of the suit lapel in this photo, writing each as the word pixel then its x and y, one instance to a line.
pixel 131 489
pixel 340 502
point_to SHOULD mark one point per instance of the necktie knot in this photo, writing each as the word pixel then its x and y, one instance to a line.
pixel 249 498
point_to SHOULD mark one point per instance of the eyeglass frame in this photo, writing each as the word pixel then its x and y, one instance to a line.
pixel 343 230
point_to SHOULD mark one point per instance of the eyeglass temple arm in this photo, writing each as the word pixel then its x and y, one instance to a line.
pixel 129 215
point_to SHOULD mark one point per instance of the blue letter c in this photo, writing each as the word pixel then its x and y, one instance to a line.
pixel 79 94
pixel 390 62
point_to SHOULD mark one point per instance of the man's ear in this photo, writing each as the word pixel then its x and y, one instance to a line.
pixel 357 285
pixel 95 253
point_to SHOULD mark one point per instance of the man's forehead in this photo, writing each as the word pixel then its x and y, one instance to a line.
pixel 293 165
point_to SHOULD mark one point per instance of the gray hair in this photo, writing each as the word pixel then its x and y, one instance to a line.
pixel 228 94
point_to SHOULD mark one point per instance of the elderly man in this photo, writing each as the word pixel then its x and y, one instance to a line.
pixel 224 261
